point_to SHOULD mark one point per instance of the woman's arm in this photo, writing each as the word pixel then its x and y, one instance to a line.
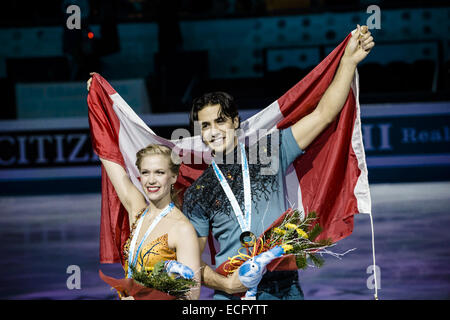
pixel 131 198
pixel 188 253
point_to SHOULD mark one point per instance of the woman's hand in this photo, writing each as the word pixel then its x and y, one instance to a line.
pixel 88 83
pixel 127 298
pixel 359 45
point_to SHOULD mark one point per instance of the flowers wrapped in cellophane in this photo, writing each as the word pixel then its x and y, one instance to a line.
pixel 151 283
pixel 295 234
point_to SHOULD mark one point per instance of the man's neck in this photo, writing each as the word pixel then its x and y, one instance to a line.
pixel 231 150
pixel 229 156
pixel 227 150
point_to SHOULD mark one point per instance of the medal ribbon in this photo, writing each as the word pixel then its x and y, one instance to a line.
pixel 133 257
pixel 244 220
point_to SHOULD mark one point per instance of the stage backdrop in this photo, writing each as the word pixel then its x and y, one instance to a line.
pixel 403 142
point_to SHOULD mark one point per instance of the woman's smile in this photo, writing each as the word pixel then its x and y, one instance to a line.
pixel 153 189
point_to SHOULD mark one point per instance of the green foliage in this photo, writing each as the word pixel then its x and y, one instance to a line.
pixel 304 249
pixel 325 242
pixel 160 280
pixel 318 261
pixel 159 267
pixel 301 261
pixel 315 231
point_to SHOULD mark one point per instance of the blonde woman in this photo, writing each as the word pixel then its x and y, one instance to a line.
pixel 159 230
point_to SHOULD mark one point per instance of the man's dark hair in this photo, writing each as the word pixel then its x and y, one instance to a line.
pixel 228 108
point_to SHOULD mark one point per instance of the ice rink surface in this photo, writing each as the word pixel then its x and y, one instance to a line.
pixel 41 236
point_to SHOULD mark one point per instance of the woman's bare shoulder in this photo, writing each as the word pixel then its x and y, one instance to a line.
pixel 182 225
pixel 181 231
pixel 179 216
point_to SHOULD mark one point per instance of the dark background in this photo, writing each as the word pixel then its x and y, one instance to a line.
pixel 255 50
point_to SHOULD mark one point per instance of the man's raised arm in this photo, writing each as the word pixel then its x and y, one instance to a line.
pixel 333 100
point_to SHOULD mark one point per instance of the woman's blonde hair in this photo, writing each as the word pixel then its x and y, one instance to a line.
pixel 172 158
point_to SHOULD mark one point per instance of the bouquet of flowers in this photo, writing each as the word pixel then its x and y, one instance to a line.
pixel 296 235
pixel 160 282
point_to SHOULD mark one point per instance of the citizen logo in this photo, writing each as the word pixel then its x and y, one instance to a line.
pixel 46 149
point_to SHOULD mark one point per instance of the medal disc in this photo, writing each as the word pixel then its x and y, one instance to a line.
pixel 248 239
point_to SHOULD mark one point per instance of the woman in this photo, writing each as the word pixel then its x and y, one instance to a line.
pixel 170 235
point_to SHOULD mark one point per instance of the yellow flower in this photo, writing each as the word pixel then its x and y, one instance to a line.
pixel 148 269
pixel 302 233
pixel 279 231
pixel 287 247
pixel 290 226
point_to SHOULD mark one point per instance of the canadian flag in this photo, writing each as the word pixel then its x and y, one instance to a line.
pixel 330 178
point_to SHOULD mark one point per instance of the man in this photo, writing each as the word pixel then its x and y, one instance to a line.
pixel 216 199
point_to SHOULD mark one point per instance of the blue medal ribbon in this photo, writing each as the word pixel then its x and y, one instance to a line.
pixel 244 220
pixel 132 258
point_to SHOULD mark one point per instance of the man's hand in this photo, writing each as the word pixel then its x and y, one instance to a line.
pixel 310 126
pixel 359 45
pixel 88 83
pixel 234 285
